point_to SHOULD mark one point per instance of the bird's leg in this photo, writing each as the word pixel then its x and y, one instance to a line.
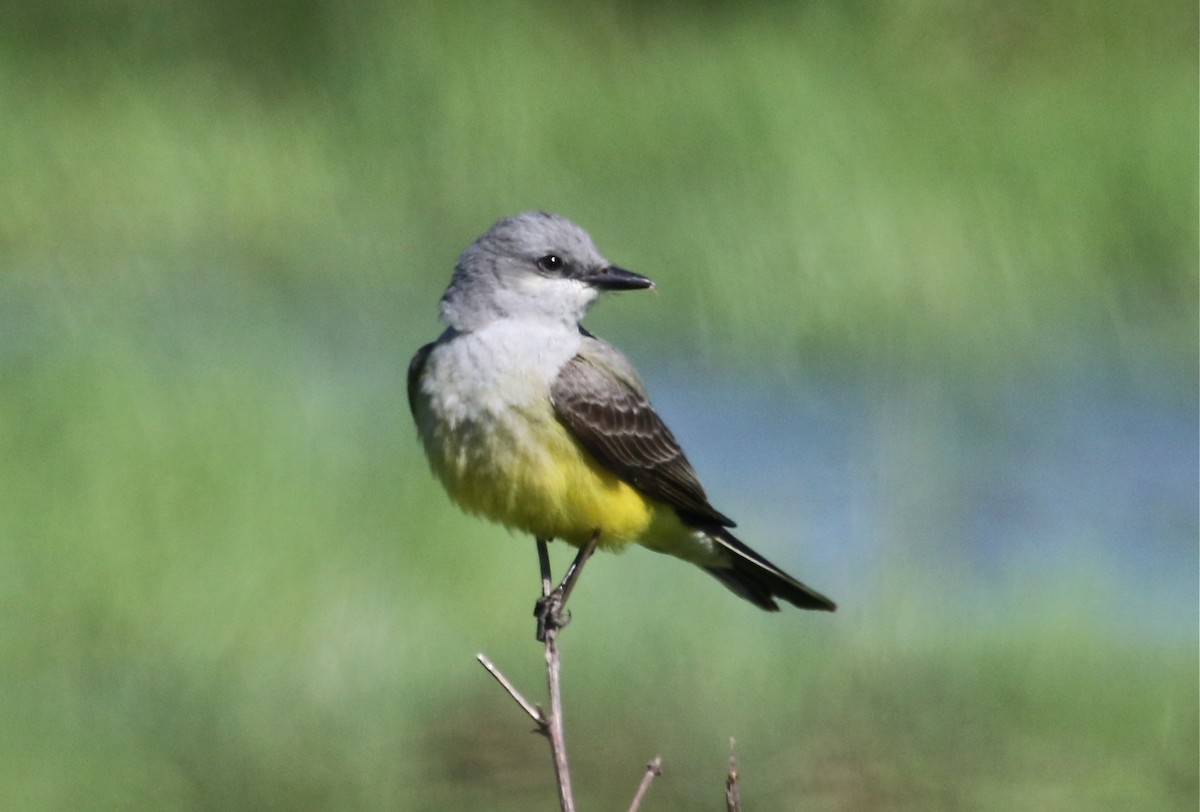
pixel 550 609
pixel 546 614
pixel 585 552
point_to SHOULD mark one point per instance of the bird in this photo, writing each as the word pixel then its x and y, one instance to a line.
pixel 531 421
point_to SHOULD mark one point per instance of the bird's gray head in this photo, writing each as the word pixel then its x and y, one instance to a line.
pixel 530 265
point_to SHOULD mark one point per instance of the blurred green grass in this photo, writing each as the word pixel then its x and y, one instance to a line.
pixel 228 580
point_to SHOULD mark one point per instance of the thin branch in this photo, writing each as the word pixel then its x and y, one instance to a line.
pixel 550 612
pixel 733 798
pixel 653 769
pixel 532 710
pixel 558 743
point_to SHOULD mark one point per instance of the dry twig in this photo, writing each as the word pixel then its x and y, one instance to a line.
pixel 733 799
pixel 551 615
pixel 532 710
pixel 653 769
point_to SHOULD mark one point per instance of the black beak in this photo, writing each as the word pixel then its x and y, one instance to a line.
pixel 614 278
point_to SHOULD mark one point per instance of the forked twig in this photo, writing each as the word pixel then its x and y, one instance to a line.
pixel 550 620
pixel 550 612
pixel 551 615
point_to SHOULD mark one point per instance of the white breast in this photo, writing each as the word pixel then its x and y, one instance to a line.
pixel 476 377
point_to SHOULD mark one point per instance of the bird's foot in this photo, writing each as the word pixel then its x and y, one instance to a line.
pixel 550 614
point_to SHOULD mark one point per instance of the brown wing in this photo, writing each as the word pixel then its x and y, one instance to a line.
pixel 619 427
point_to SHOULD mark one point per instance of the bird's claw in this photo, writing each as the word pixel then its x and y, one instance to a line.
pixel 550 614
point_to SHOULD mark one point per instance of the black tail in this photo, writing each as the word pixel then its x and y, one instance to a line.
pixel 759 581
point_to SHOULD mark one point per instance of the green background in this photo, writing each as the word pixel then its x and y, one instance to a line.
pixel 942 254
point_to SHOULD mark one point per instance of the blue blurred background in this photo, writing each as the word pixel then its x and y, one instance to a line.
pixel 926 324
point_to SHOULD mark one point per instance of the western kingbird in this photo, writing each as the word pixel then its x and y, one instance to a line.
pixel 533 422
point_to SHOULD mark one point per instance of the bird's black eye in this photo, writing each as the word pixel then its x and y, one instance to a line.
pixel 551 263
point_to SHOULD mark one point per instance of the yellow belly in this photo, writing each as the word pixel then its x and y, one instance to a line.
pixel 529 474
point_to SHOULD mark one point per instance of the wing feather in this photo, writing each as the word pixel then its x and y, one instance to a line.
pixel 415 367
pixel 608 413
